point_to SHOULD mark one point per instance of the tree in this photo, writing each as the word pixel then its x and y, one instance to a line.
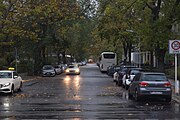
pixel 115 18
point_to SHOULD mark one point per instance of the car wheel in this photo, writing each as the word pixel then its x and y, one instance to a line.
pixel 20 88
pixel 123 85
pixel 130 96
pixel 126 87
pixel 119 83
pixel 136 96
pixel 168 99
pixel 12 90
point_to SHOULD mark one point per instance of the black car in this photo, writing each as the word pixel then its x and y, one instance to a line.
pixel 112 69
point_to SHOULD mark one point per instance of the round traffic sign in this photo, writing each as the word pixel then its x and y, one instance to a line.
pixel 175 45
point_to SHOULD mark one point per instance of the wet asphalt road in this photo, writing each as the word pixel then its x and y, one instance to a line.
pixel 91 95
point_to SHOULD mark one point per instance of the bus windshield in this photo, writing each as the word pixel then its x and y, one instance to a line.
pixel 109 56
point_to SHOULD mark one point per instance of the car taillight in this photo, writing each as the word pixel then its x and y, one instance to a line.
pixel 143 84
pixel 167 84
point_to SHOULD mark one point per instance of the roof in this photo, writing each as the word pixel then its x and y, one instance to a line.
pixel 6 70
pixel 107 53
pixel 156 73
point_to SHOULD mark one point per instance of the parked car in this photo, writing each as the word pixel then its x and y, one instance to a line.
pixel 129 75
pixel 121 73
pixel 63 67
pixel 112 69
pixel 48 70
pixel 150 84
pixel 10 81
pixel 58 69
pixel 73 69
pixel 116 74
pixel 84 62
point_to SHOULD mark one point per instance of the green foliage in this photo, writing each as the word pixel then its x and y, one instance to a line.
pixel 150 20
pixel 41 28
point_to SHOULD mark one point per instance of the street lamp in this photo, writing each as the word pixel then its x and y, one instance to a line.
pixel 139 47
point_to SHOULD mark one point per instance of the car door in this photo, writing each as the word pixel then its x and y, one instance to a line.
pixel 17 80
pixel 135 83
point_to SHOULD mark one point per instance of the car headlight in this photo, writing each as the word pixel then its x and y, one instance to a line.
pixel 7 84
pixel 67 70
pixel 77 70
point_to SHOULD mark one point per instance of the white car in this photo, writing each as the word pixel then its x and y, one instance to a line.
pixel 115 76
pixel 126 81
pixel 128 77
pixel 73 69
pixel 10 81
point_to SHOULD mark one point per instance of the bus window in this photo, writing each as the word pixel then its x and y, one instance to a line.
pixel 109 56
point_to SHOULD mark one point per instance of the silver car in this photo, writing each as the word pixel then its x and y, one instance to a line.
pixel 48 70
pixel 150 84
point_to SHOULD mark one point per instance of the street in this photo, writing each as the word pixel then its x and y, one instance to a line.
pixel 90 95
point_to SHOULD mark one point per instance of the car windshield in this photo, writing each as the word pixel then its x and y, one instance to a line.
pixel 47 68
pixel 71 66
pixel 134 72
pixel 109 56
pixel 117 68
pixel 56 67
pixel 155 77
pixel 5 75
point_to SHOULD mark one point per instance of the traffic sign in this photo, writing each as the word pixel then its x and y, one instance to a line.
pixel 174 46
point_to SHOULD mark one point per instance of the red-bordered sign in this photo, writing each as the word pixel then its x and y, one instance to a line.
pixel 174 46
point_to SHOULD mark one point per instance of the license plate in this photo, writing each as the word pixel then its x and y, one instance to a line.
pixel 156 93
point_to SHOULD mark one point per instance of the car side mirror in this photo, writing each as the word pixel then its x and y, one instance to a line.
pixel 15 76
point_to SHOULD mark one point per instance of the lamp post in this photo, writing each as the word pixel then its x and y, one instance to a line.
pixel 139 48
pixel 16 57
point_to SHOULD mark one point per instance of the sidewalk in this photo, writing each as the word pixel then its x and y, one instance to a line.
pixel 174 96
pixel 26 77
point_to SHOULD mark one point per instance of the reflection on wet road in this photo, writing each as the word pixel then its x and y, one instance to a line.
pixel 91 95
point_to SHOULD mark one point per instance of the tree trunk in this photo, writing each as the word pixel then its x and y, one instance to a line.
pixel 64 57
pixel 160 53
pixel 58 57
pixel 125 51
pixel 129 51
pixel 151 59
pixel 37 61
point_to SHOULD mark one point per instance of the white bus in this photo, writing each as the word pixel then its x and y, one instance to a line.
pixel 107 59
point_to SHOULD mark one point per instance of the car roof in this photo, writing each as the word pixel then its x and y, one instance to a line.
pixel 154 73
pixel 129 66
pixel 131 69
pixel 47 65
pixel 6 70
pixel 73 65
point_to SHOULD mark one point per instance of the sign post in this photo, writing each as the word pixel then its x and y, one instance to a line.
pixel 174 48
